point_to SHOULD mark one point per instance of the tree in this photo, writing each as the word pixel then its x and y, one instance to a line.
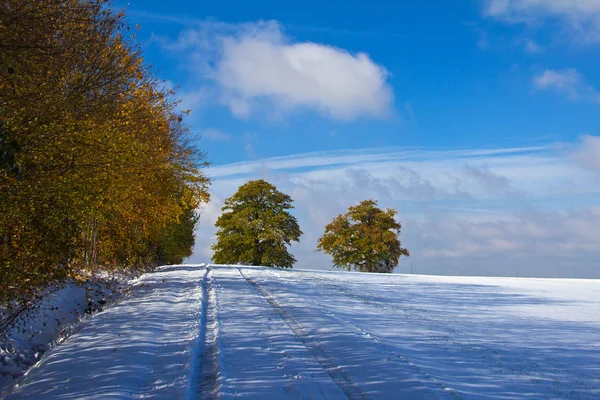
pixel 97 169
pixel 256 227
pixel 179 239
pixel 365 238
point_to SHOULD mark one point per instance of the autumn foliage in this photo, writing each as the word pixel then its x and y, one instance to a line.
pixel 96 166
pixel 364 239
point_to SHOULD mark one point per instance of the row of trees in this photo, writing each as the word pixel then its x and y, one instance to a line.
pixel 96 165
pixel 256 228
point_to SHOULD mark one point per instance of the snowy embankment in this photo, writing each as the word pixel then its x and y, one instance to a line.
pixel 48 322
pixel 192 332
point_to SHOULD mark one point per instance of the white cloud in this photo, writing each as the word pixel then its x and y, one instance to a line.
pixel 537 7
pixel 587 154
pixel 568 82
pixel 216 135
pixel 209 213
pixel 520 212
pixel 409 110
pixel 580 19
pixel 528 243
pixel 248 146
pixel 532 47
pixel 256 66
pixel 490 182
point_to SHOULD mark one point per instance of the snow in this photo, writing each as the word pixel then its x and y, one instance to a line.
pixel 141 345
pixel 250 332
pixel 53 320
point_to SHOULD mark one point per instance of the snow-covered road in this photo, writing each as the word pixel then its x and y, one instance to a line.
pixel 243 332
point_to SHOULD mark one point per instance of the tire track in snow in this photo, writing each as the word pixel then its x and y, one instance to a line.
pixel 335 372
pixel 435 385
pixel 205 382
pixel 459 338
pixel 417 371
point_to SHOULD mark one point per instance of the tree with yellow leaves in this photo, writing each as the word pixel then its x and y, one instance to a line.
pixel 96 166
pixel 364 239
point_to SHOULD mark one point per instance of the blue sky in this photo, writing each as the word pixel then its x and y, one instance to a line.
pixel 477 120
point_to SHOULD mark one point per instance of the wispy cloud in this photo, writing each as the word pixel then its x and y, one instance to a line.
pixel 216 135
pixel 532 47
pixel 501 8
pixel 191 22
pixel 567 82
pixel 379 156
pixel 587 154
pixel 248 146
pixel 516 211
pixel 578 19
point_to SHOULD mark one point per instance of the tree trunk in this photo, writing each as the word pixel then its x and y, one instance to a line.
pixel 258 253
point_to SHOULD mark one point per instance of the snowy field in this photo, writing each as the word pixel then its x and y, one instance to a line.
pixel 256 333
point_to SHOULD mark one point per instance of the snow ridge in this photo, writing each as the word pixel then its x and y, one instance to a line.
pixel 204 382
pixel 199 345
